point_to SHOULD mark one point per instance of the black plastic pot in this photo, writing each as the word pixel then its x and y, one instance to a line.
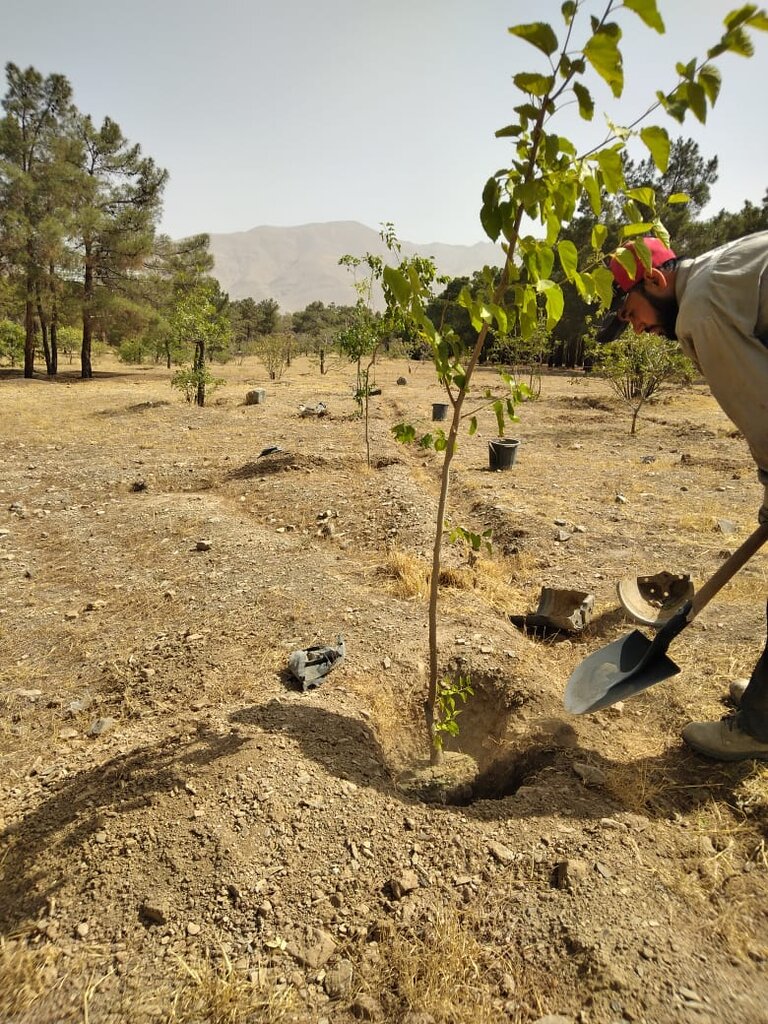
pixel 439 410
pixel 502 452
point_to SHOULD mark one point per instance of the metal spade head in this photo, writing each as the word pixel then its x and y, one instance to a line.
pixel 623 668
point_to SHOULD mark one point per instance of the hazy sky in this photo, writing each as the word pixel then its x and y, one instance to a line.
pixel 286 112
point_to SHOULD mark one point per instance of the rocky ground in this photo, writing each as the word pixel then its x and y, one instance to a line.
pixel 187 836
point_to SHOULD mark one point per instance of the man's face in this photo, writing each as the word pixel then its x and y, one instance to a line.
pixel 649 313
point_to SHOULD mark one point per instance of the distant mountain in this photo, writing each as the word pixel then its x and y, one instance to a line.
pixel 296 266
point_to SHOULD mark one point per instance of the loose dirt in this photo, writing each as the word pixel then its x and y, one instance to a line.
pixel 187 836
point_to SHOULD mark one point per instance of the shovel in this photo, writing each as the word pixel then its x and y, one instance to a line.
pixel 633 663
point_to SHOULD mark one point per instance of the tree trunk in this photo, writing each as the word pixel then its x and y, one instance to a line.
pixel 29 337
pixel 86 369
pixel 43 320
pixel 54 366
pixel 199 367
pixel 322 361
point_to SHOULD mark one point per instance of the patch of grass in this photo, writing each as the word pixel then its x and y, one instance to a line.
pixel 26 976
pixel 440 969
pixel 216 993
pixel 409 573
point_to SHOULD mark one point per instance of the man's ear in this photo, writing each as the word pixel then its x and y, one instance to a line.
pixel 657 277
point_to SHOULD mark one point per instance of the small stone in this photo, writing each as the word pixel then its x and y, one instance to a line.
pixel 68 734
pixel 100 837
pixel 569 873
pixel 82 930
pixel 71 616
pixel 365 1007
pixel 154 911
pixel 317 954
pixel 501 853
pixel 100 726
pixel 589 774
pixel 620 499
pixel 726 526
pixel 386 661
pixel 203 545
pixel 193 928
pixel 402 885
pixel 562 536
pixel 338 981
pixel 554 1018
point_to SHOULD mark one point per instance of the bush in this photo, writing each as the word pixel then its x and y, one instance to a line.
pixel 188 381
pixel 11 341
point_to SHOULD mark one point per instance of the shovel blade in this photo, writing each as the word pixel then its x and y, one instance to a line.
pixel 617 671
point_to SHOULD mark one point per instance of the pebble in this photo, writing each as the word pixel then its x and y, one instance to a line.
pixel 589 774
pixel 193 928
pixel 82 930
pixel 338 981
pixel 501 853
pixel 403 884
pixel 365 1007
pixel 100 726
pixel 568 873
pixel 203 545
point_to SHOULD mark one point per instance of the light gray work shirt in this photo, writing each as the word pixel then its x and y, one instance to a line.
pixel 722 326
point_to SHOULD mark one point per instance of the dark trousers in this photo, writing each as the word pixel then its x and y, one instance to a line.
pixel 753 716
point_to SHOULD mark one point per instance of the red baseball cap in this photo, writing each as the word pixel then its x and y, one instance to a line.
pixel 660 255
pixel 623 283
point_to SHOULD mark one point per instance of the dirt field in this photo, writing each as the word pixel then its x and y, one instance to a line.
pixel 189 837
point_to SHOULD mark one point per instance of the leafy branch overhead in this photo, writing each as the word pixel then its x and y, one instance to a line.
pixel 543 185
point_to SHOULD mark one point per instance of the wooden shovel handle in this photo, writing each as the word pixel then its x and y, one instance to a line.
pixel 729 568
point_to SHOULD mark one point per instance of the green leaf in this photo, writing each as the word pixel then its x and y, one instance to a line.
pixel 657 141
pixel 603 282
pixel 599 235
pixel 508 131
pixel 603 54
pixel 490 214
pixel 640 228
pixel 748 14
pixel 399 285
pixel 586 103
pixel 569 258
pixel 710 81
pixel 473 426
pixel 646 196
pixel 555 303
pixel 538 34
pixel 609 162
pixel 536 85
pixel 697 98
pixel 592 188
pixel 646 9
pixel 568 10
pixel 679 197
pixel 404 433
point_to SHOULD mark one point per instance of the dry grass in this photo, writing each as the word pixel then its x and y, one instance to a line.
pixel 216 993
pixel 442 971
pixel 638 787
pixel 410 574
pixel 26 976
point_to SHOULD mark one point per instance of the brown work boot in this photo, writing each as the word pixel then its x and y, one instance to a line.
pixel 736 690
pixel 724 741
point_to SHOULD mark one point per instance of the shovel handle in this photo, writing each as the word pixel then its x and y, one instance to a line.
pixel 729 568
